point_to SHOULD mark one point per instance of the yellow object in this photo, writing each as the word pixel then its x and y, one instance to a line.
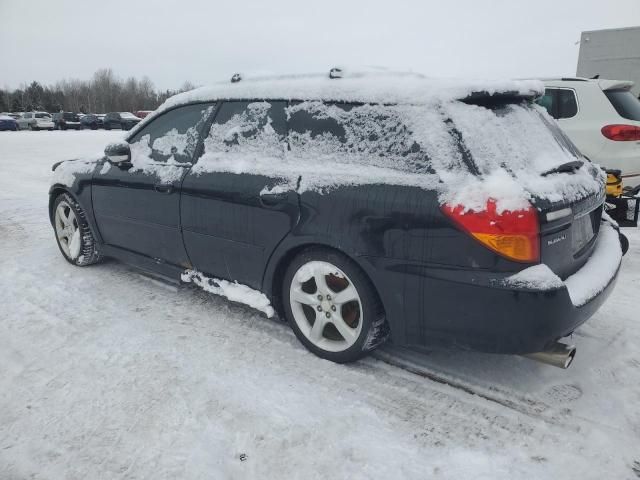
pixel 614 185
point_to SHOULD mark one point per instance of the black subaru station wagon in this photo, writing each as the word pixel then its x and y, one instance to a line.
pixel 359 207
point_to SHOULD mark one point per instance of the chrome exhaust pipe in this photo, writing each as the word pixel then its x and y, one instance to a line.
pixel 558 355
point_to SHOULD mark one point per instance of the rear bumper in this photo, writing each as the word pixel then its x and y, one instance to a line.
pixel 482 311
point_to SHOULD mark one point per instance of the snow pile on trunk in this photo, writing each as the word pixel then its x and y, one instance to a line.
pixel 235 292
pixel 587 282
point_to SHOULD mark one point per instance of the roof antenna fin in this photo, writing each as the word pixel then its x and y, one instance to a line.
pixel 236 78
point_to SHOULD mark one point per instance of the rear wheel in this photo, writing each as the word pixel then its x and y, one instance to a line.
pixel 73 234
pixel 332 306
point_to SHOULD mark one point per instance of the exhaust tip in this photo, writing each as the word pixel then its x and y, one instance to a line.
pixel 558 355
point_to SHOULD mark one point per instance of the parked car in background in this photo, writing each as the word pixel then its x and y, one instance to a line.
pixel 66 121
pixel 602 118
pixel 91 121
pixel 354 235
pixel 8 123
pixel 122 120
pixel 35 121
pixel 143 113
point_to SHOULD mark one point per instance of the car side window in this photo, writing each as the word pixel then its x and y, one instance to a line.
pixel 559 102
pixel 567 103
pixel 365 134
pixel 27 115
pixel 172 137
pixel 253 128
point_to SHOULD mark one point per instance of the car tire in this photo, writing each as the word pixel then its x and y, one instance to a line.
pixel 322 285
pixel 73 233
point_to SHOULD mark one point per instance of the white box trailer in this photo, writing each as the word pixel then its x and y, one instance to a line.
pixel 612 53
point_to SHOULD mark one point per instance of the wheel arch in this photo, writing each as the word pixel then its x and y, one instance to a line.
pixel 54 192
pixel 284 254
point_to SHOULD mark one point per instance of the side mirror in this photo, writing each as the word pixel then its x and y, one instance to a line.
pixel 118 152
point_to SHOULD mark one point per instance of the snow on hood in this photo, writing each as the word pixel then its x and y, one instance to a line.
pixel 64 173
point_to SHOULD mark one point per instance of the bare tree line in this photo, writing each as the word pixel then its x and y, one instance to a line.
pixel 105 92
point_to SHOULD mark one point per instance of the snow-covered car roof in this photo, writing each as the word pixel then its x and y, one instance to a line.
pixel 365 87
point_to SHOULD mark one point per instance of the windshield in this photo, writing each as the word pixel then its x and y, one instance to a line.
pixel 128 115
pixel 70 116
pixel 625 104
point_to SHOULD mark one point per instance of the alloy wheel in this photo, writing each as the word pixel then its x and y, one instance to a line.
pixel 67 230
pixel 326 306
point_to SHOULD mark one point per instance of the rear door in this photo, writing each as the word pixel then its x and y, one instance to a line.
pixel 231 219
pixel 137 205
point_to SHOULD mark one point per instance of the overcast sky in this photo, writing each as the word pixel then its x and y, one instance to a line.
pixel 204 41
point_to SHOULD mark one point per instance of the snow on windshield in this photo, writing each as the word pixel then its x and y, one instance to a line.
pixel 331 145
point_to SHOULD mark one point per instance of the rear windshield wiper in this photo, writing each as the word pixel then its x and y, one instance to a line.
pixel 568 167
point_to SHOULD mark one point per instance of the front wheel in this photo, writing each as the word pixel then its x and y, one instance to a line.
pixel 73 234
pixel 332 306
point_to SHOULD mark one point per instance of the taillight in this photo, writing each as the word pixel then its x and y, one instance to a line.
pixel 512 234
pixel 621 133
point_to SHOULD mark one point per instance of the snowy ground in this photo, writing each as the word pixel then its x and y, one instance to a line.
pixel 105 374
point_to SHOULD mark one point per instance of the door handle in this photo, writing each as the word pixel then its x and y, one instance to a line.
pixel 163 188
pixel 271 199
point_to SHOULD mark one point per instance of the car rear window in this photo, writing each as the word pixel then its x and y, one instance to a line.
pixel 43 115
pixel 625 103
pixel 70 116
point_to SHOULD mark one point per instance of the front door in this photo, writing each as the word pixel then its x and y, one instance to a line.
pixel 137 204
pixel 232 220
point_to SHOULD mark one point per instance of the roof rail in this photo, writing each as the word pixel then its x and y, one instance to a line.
pixel 335 73
pixel 236 78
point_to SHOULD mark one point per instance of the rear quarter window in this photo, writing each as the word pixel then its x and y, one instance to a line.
pixel 559 102
pixel 625 103
pixel 365 134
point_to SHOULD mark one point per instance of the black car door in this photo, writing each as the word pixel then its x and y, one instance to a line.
pixel 137 204
pixel 231 220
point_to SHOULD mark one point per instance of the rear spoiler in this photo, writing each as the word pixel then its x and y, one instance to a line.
pixel 484 98
pixel 615 84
